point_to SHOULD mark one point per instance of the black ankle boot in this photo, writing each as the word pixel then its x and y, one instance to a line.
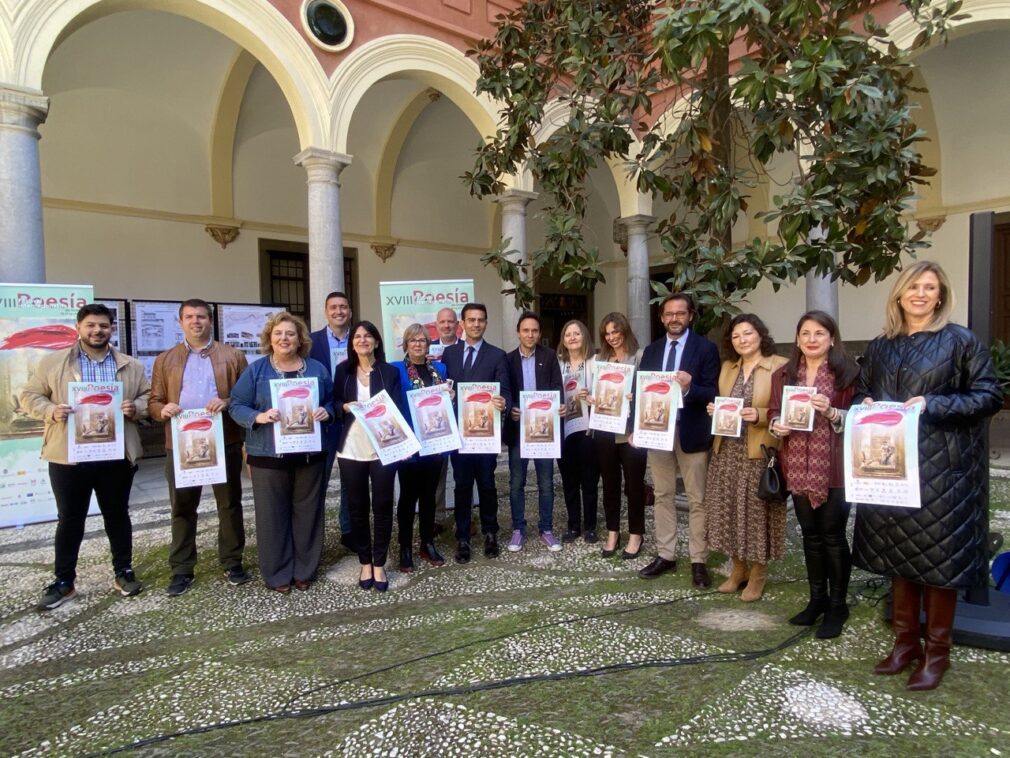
pixel 834 620
pixel 406 560
pixel 809 615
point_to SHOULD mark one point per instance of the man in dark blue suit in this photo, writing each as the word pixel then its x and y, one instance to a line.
pixel 695 360
pixel 474 360
pixel 531 367
pixel 329 347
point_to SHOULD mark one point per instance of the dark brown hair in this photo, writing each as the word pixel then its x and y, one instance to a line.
pixel 842 365
pixel 767 343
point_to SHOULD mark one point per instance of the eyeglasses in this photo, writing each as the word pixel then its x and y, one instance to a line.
pixel 417 341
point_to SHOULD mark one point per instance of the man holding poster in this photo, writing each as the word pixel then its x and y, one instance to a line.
pixel 475 360
pixel 199 373
pixel 46 397
pixel 695 363
pixel 531 367
pixel 329 347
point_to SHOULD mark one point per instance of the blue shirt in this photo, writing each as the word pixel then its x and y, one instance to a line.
pixel 529 366
pixel 97 371
pixel 334 342
pixel 198 384
pixel 681 341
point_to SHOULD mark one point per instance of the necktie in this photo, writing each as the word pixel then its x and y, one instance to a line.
pixel 671 357
pixel 468 363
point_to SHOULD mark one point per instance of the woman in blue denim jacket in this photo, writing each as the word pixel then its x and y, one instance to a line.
pixel 287 488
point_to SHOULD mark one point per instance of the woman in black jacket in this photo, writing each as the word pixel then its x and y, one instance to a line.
pixel 930 553
pixel 363 375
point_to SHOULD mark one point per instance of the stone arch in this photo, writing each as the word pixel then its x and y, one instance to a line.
pixel 223 129
pixel 982 15
pixel 254 25
pixel 434 63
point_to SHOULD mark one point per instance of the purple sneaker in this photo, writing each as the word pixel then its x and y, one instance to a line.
pixel 517 541
pixel 552 544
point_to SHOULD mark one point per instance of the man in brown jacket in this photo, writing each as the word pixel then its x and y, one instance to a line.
pixel 45 397
pixel 199 373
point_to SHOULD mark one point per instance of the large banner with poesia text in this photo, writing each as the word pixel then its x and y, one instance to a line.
pixel 35 319
pixel 406 303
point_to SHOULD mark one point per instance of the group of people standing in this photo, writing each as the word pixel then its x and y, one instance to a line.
pixel 920 359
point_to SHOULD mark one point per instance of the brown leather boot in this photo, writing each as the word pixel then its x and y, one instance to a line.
pixel 940 605
pixel 737 577
pixel 906 598
pixel 755 583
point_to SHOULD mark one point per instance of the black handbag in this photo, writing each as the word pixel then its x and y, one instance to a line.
pixel 772 485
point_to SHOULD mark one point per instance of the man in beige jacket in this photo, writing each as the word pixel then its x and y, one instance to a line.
pixel 45 397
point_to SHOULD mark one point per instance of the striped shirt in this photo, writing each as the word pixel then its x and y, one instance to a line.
pixel 97 371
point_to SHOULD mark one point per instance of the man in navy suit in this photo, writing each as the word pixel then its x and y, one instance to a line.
pixel 474 360
pixel 696 361
pixel 329 347
pixel 531 367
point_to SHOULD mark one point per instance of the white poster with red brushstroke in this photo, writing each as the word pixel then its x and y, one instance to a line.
pixel 657 400
pixel 434 420
pixel 198 448
pixel 798 408
pixel 388 430
pixel 408 302
pixel 35 320
pixel 882 455
pixel 296 400
pixel 95 428
pixel 540 424
pixel 576 411
pixel 726 419
pixel 611 388
pixel 479 421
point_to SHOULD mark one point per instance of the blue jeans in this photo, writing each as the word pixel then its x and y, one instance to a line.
pixel 517 487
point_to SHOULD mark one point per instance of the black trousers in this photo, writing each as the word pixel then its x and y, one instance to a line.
pixel 580 478
pixel 230 527
pixel 372 546
pixel 615 459
pixel 72 485
pixel 418 482
pixel 466 469
pixel 825 547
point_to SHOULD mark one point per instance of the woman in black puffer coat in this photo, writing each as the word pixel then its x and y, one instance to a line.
pixel 931 552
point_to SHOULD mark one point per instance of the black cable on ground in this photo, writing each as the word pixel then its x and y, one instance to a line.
pixel 285 714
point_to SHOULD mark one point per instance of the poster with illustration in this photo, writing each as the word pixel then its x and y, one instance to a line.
pixel 434 420
pixel 386 428
pixel 240 324
pixel 726 420
pixel 198 448
pixel 296 399
pixel 540 424
pixel 611 387
pixel 418 302
pixel 478 420
pixel 576 411
pixel 797 408
pixel 95 429
pixel 882 455
pixel 657 398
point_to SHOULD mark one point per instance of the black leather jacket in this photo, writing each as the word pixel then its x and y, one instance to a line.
pixel 943 544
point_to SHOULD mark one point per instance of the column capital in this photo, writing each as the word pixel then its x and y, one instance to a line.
pixel 322 165
pixel 515 199
pixel 638 223
pixel 22 110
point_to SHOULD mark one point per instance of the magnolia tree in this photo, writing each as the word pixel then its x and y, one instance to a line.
pixel 816 80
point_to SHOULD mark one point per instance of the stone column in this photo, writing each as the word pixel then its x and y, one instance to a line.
pixel 822 294
pixel 326 239
pixel 639 291
pixel 513 204
pixel 22 249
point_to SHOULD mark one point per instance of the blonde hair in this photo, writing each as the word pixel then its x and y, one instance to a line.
pixel 304 340
pixel 587 341
pixel 894 324
pixel 413 331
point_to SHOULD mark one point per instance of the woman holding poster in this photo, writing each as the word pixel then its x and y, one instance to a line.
pixel 419 474
pixel 812 465
pixel 580 474
pixel 287 488
pixel 738 523
pixel 923 360
pixel 363 374
pixel 613 452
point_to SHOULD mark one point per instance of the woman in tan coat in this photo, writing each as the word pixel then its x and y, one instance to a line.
pixel 739 523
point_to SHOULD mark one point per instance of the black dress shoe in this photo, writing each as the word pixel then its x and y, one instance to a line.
pixel 658 567
pixel 590 537
pixel 699 575
pixel 406 560
pixel 430 553
pixel 463 552
pixel 570 536
pixel 491 549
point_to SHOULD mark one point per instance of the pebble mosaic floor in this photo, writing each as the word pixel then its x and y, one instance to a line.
pixel 533 654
